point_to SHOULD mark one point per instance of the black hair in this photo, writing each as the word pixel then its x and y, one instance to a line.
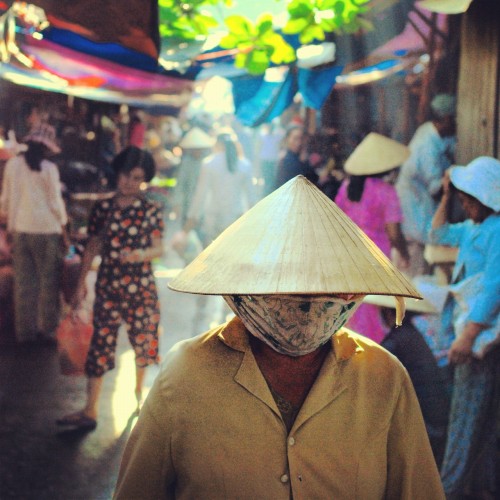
pixel 356 185
pixel 132 157
pixel 35 154
pixel 227 140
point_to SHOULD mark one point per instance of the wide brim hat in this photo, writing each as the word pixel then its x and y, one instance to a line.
pixel 376 154
pixel 417 306
pixel 481 179
pixel 294 241
pixel 196 139
pixel 44 134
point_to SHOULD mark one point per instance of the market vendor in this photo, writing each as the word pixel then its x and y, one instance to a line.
pixel 281 402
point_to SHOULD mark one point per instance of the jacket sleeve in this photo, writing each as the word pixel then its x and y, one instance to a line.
pixel 412 473
pixel 146 470
pixel 448 234
pixel 486 307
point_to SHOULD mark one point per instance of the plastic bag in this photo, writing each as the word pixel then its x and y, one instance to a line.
pixel 73 341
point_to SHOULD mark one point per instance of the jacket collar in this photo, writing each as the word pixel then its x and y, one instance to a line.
pixel 235 335
pixel 329 384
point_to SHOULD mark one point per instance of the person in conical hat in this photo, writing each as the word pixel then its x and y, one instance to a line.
pixel 196 146
pixel 262 406
pixel 432 149
pixel 369 198
pixel 471 325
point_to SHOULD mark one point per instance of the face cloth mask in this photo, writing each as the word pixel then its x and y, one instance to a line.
pixel 293 324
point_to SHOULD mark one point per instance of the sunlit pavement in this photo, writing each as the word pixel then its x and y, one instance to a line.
pixel 39 460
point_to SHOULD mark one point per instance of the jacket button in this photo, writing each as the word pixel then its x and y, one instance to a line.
pixel 291 441
pixel 284 478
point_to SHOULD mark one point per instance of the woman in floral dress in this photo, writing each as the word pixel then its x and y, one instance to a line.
pixel 126 231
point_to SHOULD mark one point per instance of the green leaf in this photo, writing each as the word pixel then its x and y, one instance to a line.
pixel 300 8
pixel 283 53
pixel 312 33
pixel 264 24
pixel 240 61
pixel 240 26
pixel 294 26
pixel 325 4
pixel 229 41
pixel 327 25
pixel 257 62
pixel 167 4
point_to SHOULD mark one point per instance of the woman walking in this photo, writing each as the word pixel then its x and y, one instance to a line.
pixel 373 204
pixel 126 231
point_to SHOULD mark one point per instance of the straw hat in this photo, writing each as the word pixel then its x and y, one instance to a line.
pixel 376 154
pixel 294 241
pixel 196 139
pixel 45 134
pixel 481 179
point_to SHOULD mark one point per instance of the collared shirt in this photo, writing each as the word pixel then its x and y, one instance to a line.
pixel 210 428
pixel 32 200
pixel 420 177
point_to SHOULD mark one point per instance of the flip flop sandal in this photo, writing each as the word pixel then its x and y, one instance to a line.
pixel 78 421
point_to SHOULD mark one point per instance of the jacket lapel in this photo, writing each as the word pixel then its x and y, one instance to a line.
pixel 330 383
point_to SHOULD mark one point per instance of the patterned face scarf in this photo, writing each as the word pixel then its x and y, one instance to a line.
pixel 293 324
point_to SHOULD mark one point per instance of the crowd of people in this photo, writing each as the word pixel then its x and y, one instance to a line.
pixel 306 288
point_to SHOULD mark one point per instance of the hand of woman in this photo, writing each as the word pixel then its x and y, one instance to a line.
pixel 461 349
pixel 132 256
pixel 446 183
pixel 78 297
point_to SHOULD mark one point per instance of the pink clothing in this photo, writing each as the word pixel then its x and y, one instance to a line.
pixel 378 206
pixel 137 134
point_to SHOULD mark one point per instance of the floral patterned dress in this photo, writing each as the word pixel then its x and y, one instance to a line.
pixel 124 293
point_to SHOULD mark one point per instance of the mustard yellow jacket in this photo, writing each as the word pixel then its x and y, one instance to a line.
pixel 210 429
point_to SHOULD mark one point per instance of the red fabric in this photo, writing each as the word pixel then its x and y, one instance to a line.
pixel 73 341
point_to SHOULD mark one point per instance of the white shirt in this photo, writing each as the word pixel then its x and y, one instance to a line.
pixel 31 200
pixel 222 196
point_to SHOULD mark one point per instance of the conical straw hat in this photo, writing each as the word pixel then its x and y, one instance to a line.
pixel 376 154
pixel 196 139
pixel 294 241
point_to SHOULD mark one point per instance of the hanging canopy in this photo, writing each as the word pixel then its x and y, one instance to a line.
pixel 106 61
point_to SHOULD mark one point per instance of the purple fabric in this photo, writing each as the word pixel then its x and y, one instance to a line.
pixel 378 206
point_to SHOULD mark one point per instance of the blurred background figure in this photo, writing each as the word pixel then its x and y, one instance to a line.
pixel 373 204
pixel 137 130
pixel 196 146
pixel 471 326
pixel 224 191
pixel 32 203
pixel 332 173
pixel 295 158
pixel 419 183
pixel 269 144
pixel 432 383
